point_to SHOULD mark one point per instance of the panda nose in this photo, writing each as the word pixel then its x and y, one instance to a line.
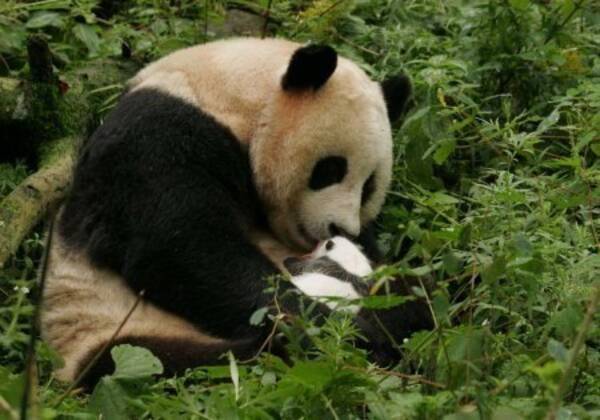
pixel 335 230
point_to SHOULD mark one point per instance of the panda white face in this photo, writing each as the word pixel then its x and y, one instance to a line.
pixel 345 253
pixel 322 159
pixel 333 270
pixel 340 193
pixel 317 128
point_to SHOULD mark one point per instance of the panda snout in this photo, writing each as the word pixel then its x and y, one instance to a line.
pixel 335 230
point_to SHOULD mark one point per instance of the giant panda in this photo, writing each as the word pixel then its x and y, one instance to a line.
pixel 220 161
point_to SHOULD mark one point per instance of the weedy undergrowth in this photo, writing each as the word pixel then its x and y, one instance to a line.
pixel 496 196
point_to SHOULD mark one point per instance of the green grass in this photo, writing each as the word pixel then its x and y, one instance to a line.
pixel 496 191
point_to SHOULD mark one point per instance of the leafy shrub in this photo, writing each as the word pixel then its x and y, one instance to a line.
pixel 495 195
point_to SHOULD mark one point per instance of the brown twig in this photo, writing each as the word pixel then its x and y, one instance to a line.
pixel 6 408
pixel 278 318
pixel 358 47
pixel 330 8
pixel 415 378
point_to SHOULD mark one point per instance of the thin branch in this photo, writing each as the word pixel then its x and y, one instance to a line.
pixel 267 16
pixel 6 408
pixel 556 28
pixel 205 19
pixel 30 359
pixel 330 407
pixel 414 378
pixel 278 318
pixel 358 47
pixel 330 8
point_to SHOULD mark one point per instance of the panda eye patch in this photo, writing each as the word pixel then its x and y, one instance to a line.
pixel 328 171
pixel 329 245
pixel 368 189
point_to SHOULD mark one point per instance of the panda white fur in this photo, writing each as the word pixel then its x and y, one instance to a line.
pixel 220 161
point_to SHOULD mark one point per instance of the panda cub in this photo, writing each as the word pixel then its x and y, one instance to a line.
pixel 334 270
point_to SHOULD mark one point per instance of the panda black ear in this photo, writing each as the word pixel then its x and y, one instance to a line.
pixel 309 68
pixel 396 91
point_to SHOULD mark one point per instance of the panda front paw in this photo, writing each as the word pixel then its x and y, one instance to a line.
pixel 380 348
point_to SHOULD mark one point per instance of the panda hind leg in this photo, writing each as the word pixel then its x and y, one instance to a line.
pixel 175 353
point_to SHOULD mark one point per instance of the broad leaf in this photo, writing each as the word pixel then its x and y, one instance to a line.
pixel 134 362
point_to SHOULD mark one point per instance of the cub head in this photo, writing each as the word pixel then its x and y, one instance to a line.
pixel 322 155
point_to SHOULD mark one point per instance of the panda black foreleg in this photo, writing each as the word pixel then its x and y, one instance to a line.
pixel 368 241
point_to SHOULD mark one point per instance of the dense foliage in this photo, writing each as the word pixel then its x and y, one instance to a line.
pixel 496 196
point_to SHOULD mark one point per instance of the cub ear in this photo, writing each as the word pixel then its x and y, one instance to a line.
pixel 396 91
pixel 309 68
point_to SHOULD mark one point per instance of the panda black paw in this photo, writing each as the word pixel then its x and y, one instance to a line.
pixel 380 348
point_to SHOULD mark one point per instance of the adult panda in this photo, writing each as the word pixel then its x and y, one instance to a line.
pixel 219 162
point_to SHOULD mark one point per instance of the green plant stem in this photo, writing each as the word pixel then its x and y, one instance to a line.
pixel 552 33
pixel 579 340
pixel 30 377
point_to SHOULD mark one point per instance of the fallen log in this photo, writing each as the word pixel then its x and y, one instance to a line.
pixel 26 205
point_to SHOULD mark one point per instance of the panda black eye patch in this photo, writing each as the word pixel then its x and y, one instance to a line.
pixel 368 189
pixel 328 171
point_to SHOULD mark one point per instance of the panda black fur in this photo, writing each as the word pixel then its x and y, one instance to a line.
pixel 195 188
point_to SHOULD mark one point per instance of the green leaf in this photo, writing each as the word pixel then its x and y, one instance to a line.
pixel 567 7
pixel 420 271
pixel 87 34
pixel 235 374
pixel 522 245
pixel 418 130
pixel 495 270
pixel 43 19
pixel 444 150
pixel 451 263
pixel 440 199
pixel 566 321
pixel 11 387
pixel 258 316
pixel 134 362
pixel 550 373
pixel 441 305
pixel 466 345
pixel 269 378
pixel 383 302
pixel 109 399
pixel 313 375
pixel 548 122
pixel 557 350
pixel 519 4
